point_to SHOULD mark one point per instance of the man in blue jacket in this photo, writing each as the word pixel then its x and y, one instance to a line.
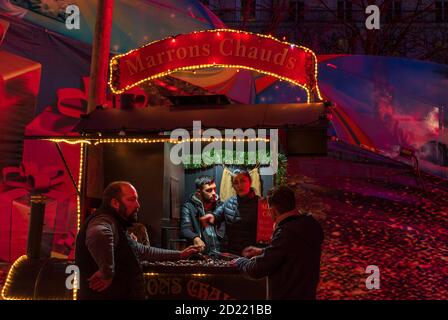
pixel 292 260
pixel 203 201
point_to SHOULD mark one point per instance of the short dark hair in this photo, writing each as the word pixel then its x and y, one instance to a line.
pixel 243 172
pixel 112 191
pixel 282 198
pixel 203 180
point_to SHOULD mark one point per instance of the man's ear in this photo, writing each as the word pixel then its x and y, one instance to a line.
pixel 114 203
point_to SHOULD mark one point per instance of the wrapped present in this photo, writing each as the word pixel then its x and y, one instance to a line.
pixel 29 176
pixel 19 87
pixel 20 218
pixel 16 207
pixel 6 200
pixel 64 245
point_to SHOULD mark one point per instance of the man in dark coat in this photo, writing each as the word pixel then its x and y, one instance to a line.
pixel 202 202
pixel 107 256
pixel 292 260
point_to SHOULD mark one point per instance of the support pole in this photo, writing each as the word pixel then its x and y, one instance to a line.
pixel 67 168
pixel 36 226
pixel 100 54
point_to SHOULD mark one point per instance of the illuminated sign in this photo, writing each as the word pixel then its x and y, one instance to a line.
pixel 216 48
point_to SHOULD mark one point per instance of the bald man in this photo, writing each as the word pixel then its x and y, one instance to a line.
pixel 108 257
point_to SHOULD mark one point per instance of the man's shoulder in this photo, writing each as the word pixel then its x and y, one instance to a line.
pixel 304 225
pixel 190 204
pixel 101 218
pixel 303 220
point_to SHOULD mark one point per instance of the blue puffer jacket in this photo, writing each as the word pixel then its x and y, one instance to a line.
pixel 239 214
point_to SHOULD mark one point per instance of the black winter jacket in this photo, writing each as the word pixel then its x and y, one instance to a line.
pixel 239 214
pixel 291 261
pixel 190 227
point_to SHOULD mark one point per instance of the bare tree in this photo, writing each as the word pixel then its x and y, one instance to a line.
pixel 409 32
pixel 393 37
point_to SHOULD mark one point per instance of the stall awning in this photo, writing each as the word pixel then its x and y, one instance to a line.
pixel 232 116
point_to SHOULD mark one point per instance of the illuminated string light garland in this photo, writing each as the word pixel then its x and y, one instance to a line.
pixel 200 275
pixel 10 278
pixel 69 141
pixel 97 141
pixel 75 287
pixel 151 274
pixel 315 88
pixel 78 203
pixel 81 165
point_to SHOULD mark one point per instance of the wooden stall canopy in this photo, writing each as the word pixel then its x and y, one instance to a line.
pixel 231 116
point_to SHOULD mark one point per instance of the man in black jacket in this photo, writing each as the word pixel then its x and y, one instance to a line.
pixel 203 201
pixel 292 260
pixel 107 257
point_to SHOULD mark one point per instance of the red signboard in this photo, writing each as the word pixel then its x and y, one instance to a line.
pixel 219 48
pixel 265 225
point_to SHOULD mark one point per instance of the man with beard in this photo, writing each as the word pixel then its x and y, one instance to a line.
pixel 202 202
pixel 107 257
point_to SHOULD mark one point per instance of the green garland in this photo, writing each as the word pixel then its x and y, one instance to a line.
pixel 241 158
pixel 281 178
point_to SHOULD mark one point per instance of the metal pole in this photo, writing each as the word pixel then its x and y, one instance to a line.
pixel 67 168
pixel 100 54
pixel 36 226
pixel 83 186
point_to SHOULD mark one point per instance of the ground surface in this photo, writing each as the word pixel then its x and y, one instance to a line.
pixel 373 214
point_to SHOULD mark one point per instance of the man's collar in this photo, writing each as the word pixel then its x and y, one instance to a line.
pixel 284 216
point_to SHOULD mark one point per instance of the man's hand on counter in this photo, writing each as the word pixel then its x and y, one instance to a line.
pixel 198 243
pixel 252 251
pixel 97 282
pixel 234 262
pixel 188 251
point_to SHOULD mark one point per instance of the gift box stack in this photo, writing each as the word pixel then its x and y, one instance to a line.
pixel 25 171
pixel 15 207
pixel 19 87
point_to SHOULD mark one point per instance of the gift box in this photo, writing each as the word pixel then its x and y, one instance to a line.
pixel 19 87
pixel 65 225
pixel 6 199
pixel 15 207
pixel 20 218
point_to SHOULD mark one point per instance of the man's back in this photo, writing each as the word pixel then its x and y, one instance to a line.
pixel 292 260
pixel 298 275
